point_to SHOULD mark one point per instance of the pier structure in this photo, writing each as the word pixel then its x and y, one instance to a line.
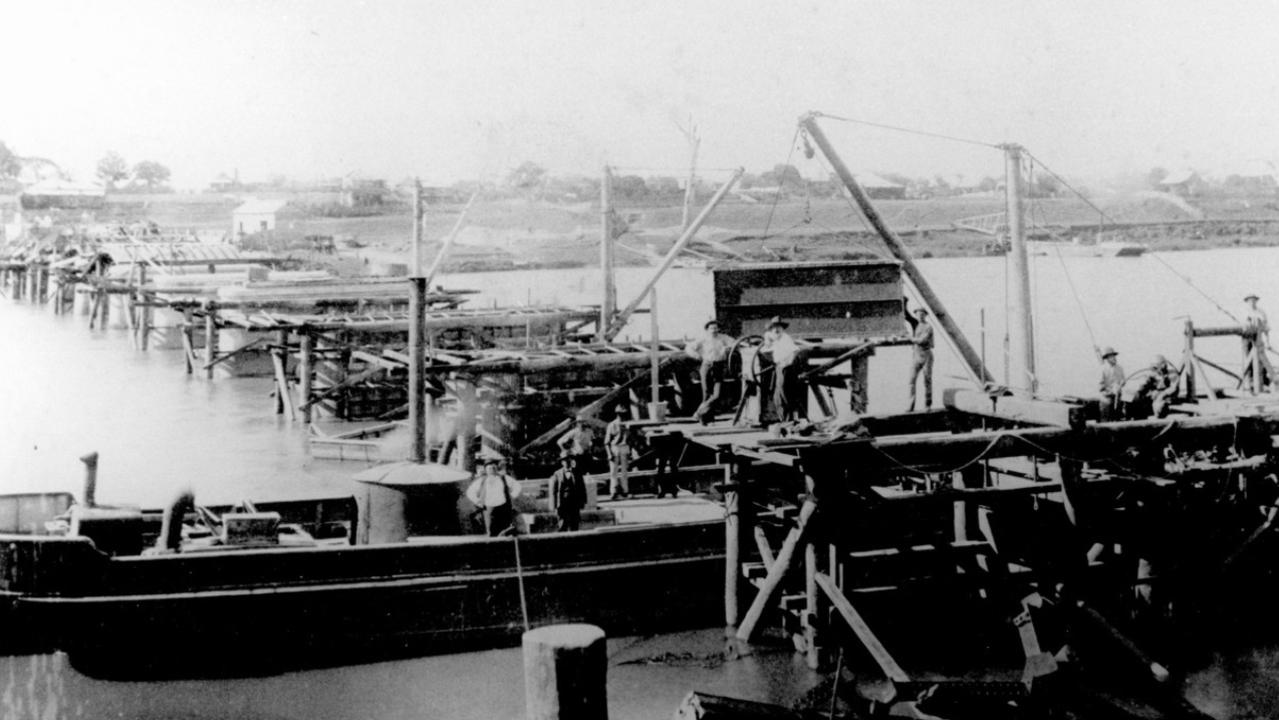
pixel 1066 561
pixel 1046 550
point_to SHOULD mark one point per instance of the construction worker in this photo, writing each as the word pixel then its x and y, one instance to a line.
pixel 1256 339
pixel 567 494
pixel 922 341
pixel 787 397
pixel 712 349
pixel 617 439
pixel 1157 391
pixel 1111 385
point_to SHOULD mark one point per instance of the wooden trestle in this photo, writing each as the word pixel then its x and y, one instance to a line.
pixel 923 529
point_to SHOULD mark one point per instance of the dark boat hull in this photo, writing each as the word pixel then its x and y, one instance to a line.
pixel 254 612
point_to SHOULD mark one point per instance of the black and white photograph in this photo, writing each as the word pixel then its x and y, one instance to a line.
pixel 571 360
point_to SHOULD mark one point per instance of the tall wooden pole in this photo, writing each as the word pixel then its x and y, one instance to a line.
pixel 619 321
pixel 655 410
pixel 417 338
pixel 1021 321
pixel 608 304
pixel 690 190
pixel 972 361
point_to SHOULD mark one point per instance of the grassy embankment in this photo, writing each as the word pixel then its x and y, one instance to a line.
pixel 510 233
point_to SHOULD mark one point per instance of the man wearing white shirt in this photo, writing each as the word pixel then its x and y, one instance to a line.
pixel 712 349
pixel 787 397
pixel 494 492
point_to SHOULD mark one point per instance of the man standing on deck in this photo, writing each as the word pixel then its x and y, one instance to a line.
pixel 787 396
pixel 494 492
pixel 617 440
pixel 712 349
pixel 1112 385
pixel 1255 340
pixel 567 494
pixel 922 341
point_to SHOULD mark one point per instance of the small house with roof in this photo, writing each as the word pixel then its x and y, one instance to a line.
pixel 255 216
pixel 1184 183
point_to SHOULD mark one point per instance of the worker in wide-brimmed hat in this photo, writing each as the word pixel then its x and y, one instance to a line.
pixel 712 349
pixel 1112 385
pixel 567 493
pixel 788 396
pixel 1256 338
pixel 922 340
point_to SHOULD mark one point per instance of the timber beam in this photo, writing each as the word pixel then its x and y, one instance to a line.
pixel 1093 442
pixel 1017 409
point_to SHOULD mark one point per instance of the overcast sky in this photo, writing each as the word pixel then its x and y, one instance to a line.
pixel 469 89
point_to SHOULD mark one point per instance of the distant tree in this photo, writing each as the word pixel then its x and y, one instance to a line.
pixel 150 173
pixel 630 187
pixel 1156 176
pixel 112 169
pixel 988 184
pixel 10 164
pixel 527 176
pixel 788 176
pixel 1047 186
pixel 664 186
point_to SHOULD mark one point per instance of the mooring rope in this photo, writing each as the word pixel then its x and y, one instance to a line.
pixel 519 575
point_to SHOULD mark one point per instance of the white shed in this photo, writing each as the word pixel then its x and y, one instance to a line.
pixel 255 216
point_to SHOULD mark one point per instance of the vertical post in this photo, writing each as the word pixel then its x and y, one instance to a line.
pixel 810 605
pixel 1021 321
pixel 1188 361
pixel 417 350
pixel 565 673
pixel 1258 384
pixel 655 409
pixel 106 303
pixel 210 338
pixel 188 339
pixel 144 326
pixel 732 545
pixel 965 514
pixel 690 190
pixel 468 411
pixel 90 479
pixel 608 304
pixel 306 373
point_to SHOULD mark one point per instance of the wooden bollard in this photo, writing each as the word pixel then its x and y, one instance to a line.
pixel 90 478
pixel 565 669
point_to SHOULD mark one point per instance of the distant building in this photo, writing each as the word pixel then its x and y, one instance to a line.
pixel 255 216
pixel 1183 183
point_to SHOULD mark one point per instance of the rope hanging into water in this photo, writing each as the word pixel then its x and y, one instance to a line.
pixel 910 131
pixel 519 576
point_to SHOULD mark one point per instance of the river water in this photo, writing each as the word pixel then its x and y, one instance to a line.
pixel 69 390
